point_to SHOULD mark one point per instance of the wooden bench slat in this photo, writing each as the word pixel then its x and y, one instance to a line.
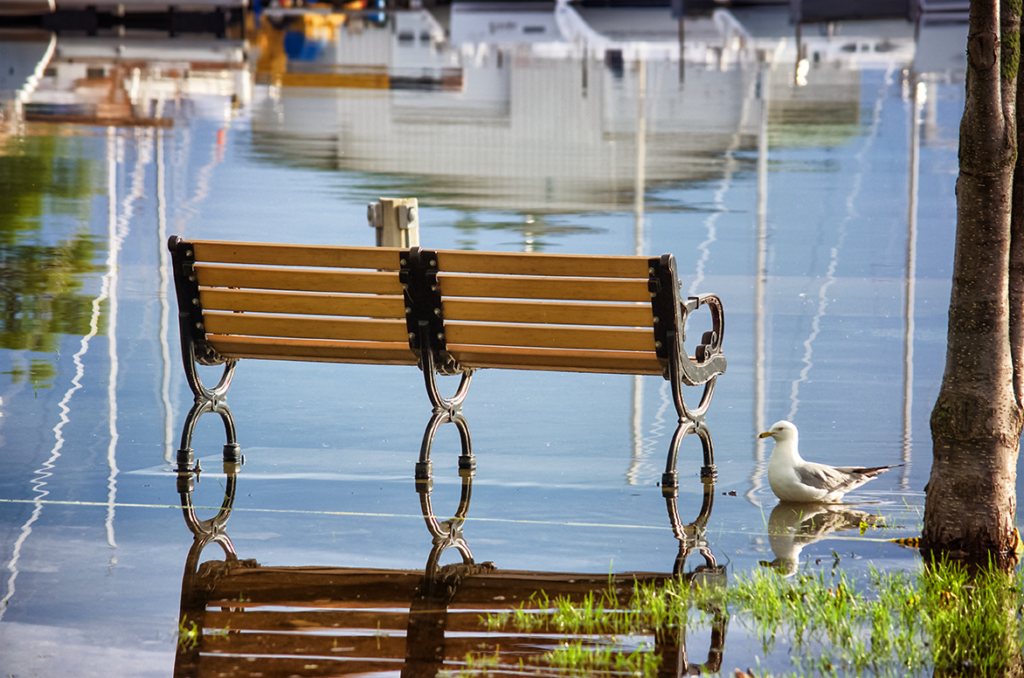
pixel 369 646
pixel 553 313
pixel 314 350
pixel 512 263
pixel 307 280
pixel 381 258
pixel 562 360
pixel 370 306
pixel 542 336
pixel 519 287
pixel 306 620
pixel 214 666
pixel 303 327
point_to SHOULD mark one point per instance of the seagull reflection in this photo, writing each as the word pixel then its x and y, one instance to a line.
pixel 791 527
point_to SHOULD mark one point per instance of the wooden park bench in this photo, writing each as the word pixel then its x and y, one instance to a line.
pixel 447 312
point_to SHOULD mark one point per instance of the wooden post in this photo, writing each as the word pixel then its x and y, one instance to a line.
pixel 396 221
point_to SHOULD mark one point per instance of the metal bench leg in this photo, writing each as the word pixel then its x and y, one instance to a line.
pixel 670 479
pixel 188 473
pixel 188 358
pixel 691 414
pixel 439 402
pixel 232 452
pixel 467 461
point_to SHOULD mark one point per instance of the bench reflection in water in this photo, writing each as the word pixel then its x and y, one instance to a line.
pixel 240 618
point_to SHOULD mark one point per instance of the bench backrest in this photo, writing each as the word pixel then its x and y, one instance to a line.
pixel 548 312
pixel 294 302
pixel 559 312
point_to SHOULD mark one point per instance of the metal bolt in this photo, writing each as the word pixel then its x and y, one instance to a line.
pixel 405 288
pixel 440 336
pixel 192 278
pixel 650 270
pixel 657 344
pixel 437 311
pixel 412 335
pixel 657 320
pixel 411 214
pixel 195 302
pixel 199 326
pixel 433 263
pixel 188 253
pixel 401 262
pixel 408 310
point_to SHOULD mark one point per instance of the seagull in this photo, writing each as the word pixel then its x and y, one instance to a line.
pixel 793 479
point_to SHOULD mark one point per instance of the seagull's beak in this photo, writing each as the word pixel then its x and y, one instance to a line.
pixel 766 434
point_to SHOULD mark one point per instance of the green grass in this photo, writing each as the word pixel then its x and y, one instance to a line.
pixel 938 621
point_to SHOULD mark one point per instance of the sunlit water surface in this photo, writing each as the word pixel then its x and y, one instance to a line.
pixel 817 202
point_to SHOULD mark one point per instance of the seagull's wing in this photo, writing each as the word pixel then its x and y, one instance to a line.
pixel 868 472
pixel 828 478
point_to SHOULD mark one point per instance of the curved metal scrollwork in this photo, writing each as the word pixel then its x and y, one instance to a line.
pixel 190 359
pixel 708 361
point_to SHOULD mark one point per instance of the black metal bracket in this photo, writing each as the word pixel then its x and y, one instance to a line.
pixel 665 305
pixel 186 285
pixel 423 308
pixel 670 316
pixel 424 318
pixel 424 311
pixel 195 349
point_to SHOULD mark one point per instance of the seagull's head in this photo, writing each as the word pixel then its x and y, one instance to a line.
pixel 782 431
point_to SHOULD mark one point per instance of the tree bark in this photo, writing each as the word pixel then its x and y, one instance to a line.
pixel 1017 250
pixel 976 422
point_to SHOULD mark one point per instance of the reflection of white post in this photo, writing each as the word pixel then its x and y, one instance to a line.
pixel 636 408
pixel 119 223
pixel 111 283
pixel 640 178
pixel 165 306
pixel 920 95
pixel 761 279
pixel 760 286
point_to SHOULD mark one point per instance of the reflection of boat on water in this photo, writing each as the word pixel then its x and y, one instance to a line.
pixel 24 55
pixel 120 81
pixel 343 621
pixel 469 126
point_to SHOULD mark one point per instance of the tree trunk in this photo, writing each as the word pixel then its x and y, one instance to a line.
pixel 1017 254
pixel 976 422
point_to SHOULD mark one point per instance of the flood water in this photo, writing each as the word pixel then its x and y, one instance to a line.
pixel 814 196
